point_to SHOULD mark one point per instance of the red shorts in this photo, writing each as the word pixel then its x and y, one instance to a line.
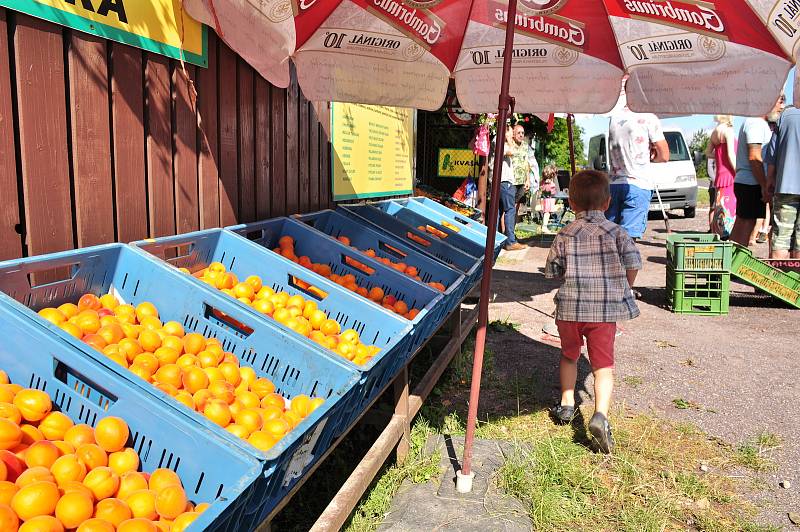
pixel 599 341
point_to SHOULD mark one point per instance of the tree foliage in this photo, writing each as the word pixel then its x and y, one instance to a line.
pixel 554 146
pixel 699 143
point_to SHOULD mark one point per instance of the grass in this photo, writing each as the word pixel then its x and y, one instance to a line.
pixel 633 381
pixel 703 199
pixel 652 482
pixel 521 234
pixel 755 452
pixel 418 467
pixel 505 325
pixel 683 404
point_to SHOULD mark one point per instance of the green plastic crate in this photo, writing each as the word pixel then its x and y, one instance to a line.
pixel 782 285
pixel 698 293
pixel 699 252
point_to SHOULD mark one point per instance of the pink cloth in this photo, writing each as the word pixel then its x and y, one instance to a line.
pixel 548 204
pixel 724 208
pixel 725 173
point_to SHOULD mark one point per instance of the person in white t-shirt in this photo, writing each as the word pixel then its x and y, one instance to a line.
pixel 635 141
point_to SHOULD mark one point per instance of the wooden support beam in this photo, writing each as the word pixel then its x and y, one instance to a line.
pixel 401 409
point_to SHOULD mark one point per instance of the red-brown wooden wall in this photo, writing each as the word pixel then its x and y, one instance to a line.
pixel 101 142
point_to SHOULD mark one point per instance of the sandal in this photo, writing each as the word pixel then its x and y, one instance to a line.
pixel 762 237
pixel 562 414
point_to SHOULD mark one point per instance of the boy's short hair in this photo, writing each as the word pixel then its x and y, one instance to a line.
pixel 589 190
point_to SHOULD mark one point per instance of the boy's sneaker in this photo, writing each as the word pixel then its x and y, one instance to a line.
pixel 600 429
pixel 562 414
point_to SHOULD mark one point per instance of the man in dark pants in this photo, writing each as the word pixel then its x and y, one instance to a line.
pixel 519 165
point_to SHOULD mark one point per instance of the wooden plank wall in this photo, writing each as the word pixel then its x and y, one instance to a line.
pixel 101 142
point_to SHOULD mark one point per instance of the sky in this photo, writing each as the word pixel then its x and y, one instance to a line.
pixel 595 124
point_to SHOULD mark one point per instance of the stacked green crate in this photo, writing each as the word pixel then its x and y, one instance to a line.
pixel 698 274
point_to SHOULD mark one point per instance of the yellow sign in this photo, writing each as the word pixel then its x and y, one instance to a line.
pixel 455 162
pixel 159 26
pixel 372 150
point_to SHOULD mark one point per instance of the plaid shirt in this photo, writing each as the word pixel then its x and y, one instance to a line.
pixel 591 256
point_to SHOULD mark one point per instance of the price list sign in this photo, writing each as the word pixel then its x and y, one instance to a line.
pixel 372 150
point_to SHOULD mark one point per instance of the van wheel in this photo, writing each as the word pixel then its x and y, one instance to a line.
pixel 689 212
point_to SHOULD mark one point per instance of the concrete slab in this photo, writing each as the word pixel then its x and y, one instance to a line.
pixel 436 505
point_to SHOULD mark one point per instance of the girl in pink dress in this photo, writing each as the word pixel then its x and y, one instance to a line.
pixel 547 192
pixel 722 146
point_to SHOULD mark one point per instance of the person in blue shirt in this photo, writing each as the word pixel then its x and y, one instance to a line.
pixel 783 186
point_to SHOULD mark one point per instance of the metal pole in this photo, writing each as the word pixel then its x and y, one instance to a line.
pixel 571 142
pixel 505 104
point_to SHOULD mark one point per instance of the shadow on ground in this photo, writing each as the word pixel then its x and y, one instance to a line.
pixel 515 286
pixel 525 383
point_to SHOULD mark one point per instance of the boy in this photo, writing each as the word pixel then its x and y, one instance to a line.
pixel 598 262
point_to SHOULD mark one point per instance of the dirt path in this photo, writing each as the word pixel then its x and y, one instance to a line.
pixel 736 374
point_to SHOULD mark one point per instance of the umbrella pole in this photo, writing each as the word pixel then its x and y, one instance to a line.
pixel 464 477
pixel 571 135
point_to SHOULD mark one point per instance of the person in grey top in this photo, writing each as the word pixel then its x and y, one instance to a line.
pixel 783 186
pixel 750 184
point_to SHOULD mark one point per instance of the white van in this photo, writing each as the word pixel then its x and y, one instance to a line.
pixel 677 179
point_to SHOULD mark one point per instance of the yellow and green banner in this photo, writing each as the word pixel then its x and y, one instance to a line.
pixel 457 162
pixel 158 26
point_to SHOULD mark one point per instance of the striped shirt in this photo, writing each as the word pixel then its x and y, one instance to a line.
pixel 591 256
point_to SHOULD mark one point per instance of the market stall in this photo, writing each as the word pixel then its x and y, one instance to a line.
pixel 272 336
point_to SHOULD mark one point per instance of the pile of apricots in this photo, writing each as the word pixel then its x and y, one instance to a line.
pixel 195 370
pixel 401 267
pixel 375 294
pixel 299 314
pixel 56 476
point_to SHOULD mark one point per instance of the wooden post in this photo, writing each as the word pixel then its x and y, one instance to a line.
pixel 401 409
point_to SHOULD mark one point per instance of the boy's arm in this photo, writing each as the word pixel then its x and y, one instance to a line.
pixel 629 256
pixel 556 266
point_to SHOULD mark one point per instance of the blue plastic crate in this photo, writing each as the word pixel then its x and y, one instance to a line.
pixel 410 235
pixel 454 217
pixel 211 470
pixel 344 260
pixel 363 237
pixel 420 216
pixel 134 276
pixel 376 326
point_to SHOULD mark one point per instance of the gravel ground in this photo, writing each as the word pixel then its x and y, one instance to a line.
pixel 739 372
